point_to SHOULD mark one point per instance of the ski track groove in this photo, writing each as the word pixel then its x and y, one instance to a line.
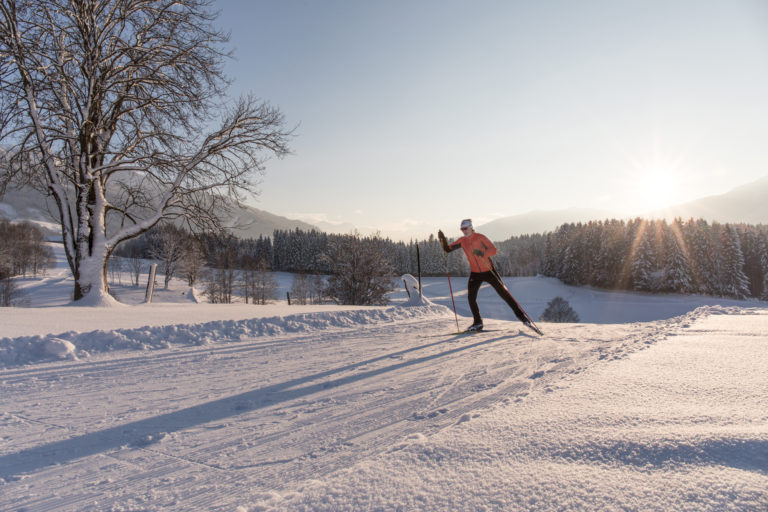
pixel 368 425
pixel 326 421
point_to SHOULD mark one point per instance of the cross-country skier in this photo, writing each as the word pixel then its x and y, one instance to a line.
pixel 478 250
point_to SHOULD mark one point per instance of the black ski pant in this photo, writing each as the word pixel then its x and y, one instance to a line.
pixel 478 278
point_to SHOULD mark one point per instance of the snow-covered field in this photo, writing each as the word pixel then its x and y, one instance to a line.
pixel 653 403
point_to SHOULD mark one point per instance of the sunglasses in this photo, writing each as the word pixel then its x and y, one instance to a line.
pixel 466 228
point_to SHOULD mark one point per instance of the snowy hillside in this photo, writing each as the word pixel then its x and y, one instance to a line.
pixel 743 204
pixel 540 222
pixel 654 403
pixel 245 221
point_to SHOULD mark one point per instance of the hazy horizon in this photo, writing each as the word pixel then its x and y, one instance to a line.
pixel 536 217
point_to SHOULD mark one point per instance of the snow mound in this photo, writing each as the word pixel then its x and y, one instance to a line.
pixel 192 295
pixel 415 297
pixel 60 348
pixel 31 349
pixel 98 300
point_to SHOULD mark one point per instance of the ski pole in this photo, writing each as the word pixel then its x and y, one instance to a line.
pixel 447 273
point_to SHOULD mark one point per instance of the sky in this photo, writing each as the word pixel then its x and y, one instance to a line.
pixel 412 115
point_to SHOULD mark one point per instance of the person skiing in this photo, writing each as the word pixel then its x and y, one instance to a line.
pixel 478 250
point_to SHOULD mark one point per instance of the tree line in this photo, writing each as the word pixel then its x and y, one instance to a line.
pixel 347 269
pixel 694 256
pixel 724 260
pixel 22 252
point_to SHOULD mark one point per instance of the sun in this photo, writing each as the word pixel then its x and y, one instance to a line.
pixel 654 187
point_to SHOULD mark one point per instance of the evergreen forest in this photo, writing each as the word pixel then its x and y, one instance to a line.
pixel 694 256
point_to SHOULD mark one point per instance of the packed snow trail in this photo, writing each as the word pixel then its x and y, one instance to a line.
pixel 681 426
pixel 352 418
pixel 207 427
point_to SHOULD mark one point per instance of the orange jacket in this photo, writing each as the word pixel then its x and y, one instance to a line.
pixel 472 243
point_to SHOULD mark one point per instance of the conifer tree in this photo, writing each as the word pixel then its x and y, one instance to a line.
pixel 569 269
pixel 735 283
pixel 558 310
pixel 643 264
pixel 763 249
pixel 548 265
pixel 752 264
pixel 704 250
pixel 676 275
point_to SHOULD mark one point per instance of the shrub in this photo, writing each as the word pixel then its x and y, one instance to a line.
pixel 558 310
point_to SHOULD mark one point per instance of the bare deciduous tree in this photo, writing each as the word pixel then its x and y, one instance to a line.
pixel 223 278
pixel 263 285
pixel 192 263
pixel 300 289
pixel 248 266
pixel 23 249
pixel 361 273
pixel 8 288
pixel 307 289
pixel 168 245
pixel 135 265
pixel 106 106
pixel 115 266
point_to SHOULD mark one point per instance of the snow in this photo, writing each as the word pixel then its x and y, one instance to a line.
pixel 415 296
pixel 660 437
pixel 653 403
pixel 7 210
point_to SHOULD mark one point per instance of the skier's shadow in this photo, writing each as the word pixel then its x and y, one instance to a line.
pixel 139 433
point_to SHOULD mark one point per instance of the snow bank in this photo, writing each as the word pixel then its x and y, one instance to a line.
pixel 30 349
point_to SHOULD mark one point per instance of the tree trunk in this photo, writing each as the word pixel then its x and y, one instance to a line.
pixel 92 250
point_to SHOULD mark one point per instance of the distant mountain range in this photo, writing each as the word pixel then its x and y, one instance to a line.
pixel 539 222
pixel 250 222
pixel 747 203
pixel 245 221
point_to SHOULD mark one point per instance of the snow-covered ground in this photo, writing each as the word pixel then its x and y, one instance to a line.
pixel 653 403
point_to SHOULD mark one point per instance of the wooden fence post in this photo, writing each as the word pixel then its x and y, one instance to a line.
pixel 418 266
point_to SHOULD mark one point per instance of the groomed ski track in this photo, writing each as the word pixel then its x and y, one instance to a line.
pixel 212 427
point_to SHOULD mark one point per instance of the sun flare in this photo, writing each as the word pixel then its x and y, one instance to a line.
pixel 654 187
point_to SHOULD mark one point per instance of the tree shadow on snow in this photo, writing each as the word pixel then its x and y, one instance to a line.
pixel 143 432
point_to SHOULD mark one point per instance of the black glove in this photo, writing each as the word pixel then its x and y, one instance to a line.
pixel 478 252
pixel 443 241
